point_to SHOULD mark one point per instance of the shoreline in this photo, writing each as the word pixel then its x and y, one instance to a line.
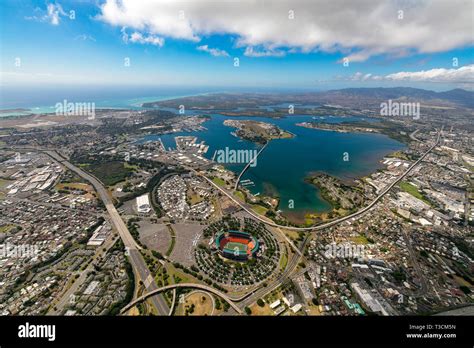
pixel 8 112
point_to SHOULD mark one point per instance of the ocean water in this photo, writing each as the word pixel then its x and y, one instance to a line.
pixel 38 101
pixel 283 166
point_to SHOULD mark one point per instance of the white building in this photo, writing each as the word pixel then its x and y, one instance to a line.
pixel 143 204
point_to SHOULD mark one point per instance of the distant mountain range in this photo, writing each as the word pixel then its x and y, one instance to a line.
pixel 457 96
pixel 363 99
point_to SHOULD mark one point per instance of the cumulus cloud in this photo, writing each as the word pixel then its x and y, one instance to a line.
pixel 462 75
pixel 137 37
pixel 358 29
pixel 52 14
pixel 150 39
pixel 216 52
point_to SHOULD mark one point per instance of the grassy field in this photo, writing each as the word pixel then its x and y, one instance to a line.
pixel 6 228
pixel 110 173
pixel 400 155
pixel 175 273
pixel 259 209
pixel 240 196
pixel 411 189
pixel 173 241
pixel 283 261
pixel 239 247
pixel 4 183
pixel 130 166
pixel 360 240
pixel 193 197
pixel 74 186
pixel 291 234
pixel 219 182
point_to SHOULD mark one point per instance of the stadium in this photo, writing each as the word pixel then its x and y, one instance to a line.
pixel 236 245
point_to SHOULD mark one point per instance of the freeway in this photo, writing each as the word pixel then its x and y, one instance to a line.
pixel 331 223
pixel 248 299
pixel 182 285
pixel 122 229
pixel 294 261
pixel 133 249
pixel 260 293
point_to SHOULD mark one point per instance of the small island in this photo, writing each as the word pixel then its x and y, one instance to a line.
pixel 258 132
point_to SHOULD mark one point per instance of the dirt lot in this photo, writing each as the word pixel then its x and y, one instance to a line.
pixel 187 238
pixel 203 304
pixel 155 236
pixel 265 310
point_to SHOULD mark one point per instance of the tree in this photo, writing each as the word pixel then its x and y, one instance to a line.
pixel 248 310
pixel 260 302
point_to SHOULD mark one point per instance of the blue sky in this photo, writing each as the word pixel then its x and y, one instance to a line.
pixel 198 49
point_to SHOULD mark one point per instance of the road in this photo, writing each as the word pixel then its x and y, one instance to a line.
pixel 331 223
pixel 252 297
pixel 133 249
pixel 122 229
pixel 412 135
pixel 413 256
pixel 290 267
pixel 248 299
pixel 183 285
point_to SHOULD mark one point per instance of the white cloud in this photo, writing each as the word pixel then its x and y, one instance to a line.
pixel 358 29
pixel 137 37
pixel 216 52
pixel 52 14
pixel 54 10
pixel 150 39
pixel 462 75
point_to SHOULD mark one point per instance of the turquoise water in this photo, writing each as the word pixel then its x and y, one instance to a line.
pixel 43 100
pixel 129 104
pixel 281 168
pixel 285 163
